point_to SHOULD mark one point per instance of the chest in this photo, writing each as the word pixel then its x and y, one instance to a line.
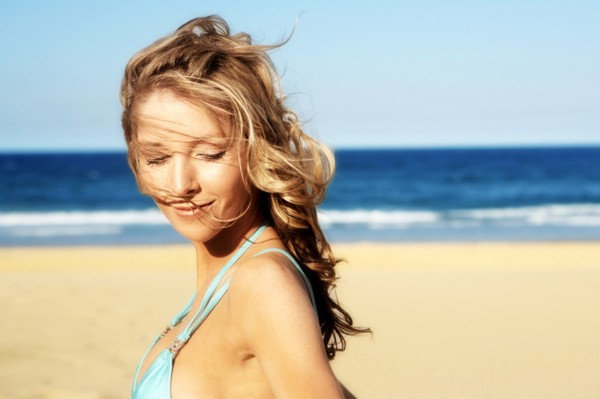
pixel 213 362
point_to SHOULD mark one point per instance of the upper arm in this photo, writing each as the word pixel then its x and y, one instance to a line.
pixel 277 320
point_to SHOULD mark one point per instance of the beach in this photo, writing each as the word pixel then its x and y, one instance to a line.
pixel 451 320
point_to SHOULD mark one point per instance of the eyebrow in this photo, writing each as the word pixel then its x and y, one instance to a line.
pixel 151 144
pixel 221 141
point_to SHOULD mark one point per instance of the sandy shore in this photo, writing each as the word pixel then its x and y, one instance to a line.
pixel 471 320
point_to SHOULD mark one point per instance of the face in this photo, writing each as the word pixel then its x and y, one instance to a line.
pixel 190 166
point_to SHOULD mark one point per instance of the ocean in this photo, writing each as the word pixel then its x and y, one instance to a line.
pixel 391 195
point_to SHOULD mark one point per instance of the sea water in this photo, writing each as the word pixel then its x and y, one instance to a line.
pixel 500 194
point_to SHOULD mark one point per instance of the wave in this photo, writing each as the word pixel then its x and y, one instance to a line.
pixel 572 215
pixel 378 218
pixel 82 218
pixel 113 222
pixel 576 215
pixel 68 231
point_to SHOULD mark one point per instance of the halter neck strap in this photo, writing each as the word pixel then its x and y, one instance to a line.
pixel 213 296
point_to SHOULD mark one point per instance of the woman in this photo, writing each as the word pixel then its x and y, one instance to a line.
pixel 211 141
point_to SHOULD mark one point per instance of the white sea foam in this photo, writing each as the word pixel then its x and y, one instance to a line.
pixel 378 218
pixel 112 222
pixel 80 218
pixel 70 231
pixel 575 215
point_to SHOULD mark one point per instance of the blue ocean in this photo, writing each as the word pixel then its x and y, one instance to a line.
pixel 395 195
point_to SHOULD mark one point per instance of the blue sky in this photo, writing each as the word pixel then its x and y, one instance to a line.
pixel 363 74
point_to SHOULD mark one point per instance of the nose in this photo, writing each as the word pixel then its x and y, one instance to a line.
pixel 184 179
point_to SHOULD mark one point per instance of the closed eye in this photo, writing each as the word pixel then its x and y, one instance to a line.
pixel 157 161
pixel 211 157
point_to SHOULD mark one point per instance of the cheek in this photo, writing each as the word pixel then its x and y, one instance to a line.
pixel 223 178
pixel 152 182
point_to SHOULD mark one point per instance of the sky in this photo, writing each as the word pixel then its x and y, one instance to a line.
pixel 360 73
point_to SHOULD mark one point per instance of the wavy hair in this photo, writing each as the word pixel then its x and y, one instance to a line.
pixel 237 82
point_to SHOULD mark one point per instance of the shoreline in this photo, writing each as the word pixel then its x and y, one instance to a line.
pixel 452 320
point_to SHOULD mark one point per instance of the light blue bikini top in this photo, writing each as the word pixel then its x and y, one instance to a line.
pixel 156 381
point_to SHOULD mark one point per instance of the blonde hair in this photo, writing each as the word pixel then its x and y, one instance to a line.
pixel 237 82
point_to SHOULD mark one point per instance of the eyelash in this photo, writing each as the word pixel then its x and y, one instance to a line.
pixel 212 157
pixel 208 157
pixel 157 161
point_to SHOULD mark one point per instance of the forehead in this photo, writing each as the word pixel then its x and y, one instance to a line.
pixel 164 116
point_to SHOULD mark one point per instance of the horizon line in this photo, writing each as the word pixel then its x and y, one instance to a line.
pixel 83 150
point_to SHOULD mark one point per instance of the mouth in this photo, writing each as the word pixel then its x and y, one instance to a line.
pixel 190 211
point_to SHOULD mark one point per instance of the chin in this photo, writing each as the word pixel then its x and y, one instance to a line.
pixel 197 231
pixel 200 228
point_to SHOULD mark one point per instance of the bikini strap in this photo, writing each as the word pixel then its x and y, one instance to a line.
pixel 297 265
pixel 213 295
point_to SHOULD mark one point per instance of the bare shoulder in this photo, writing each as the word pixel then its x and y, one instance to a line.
pixel 274 316
pixel 268 276
pixel 269 287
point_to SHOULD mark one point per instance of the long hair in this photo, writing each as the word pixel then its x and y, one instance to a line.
pixel 238 84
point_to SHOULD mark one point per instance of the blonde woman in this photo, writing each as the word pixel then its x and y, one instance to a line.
pixel 211 140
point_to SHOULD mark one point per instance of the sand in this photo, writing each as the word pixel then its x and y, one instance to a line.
pixel 469 320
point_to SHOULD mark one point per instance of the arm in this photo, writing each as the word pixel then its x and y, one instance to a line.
pixel 281 329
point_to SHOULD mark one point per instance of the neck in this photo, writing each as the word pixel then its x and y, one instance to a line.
pixel 212 255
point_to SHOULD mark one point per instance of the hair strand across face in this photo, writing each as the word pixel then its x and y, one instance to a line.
pixel 203 63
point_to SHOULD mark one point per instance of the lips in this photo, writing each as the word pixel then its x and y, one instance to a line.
pixel 189 211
